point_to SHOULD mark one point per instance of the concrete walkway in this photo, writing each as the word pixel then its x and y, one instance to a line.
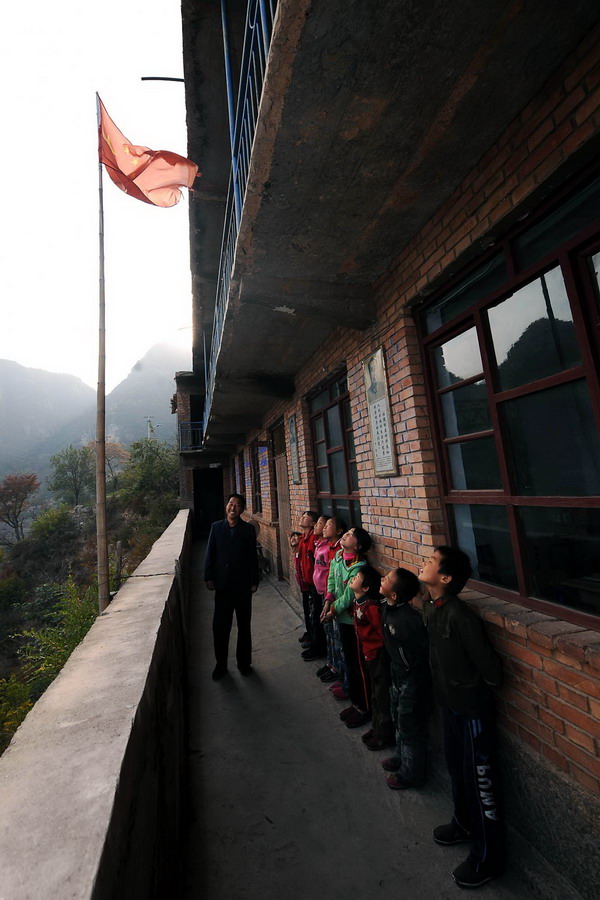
pixel 286 802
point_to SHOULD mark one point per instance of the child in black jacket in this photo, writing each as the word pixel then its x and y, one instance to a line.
pixel 463 666
pixel 405 641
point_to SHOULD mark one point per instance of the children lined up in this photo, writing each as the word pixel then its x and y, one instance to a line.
pixel 388 657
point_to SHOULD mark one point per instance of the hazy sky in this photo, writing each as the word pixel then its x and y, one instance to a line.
pixel 55 56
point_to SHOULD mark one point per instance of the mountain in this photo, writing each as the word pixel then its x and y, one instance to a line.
pixel 40 413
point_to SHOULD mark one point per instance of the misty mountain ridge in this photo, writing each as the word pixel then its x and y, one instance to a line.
pixel 43 412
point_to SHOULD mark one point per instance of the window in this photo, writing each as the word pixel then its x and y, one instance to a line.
pixel 334 452
pixel 514 387
pixel 256 459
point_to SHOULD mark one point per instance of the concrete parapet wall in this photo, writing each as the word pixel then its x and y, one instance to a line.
pixel 91 783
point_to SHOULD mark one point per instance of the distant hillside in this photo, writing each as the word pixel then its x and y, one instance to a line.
pixel 34 405
pixel 40 413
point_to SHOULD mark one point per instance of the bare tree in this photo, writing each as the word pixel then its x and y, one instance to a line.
pixel 15 493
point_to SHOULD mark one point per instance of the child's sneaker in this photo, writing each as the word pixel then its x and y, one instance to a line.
pixel 391 764
pixel 472 873
pixel 358 719
pixel 367 735
pixel 339 693
pixel 322 671
pixel 449 834
pixel 346 713
pixel 397 783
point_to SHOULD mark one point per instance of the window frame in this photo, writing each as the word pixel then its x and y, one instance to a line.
pixel 584 302
pixel 340 399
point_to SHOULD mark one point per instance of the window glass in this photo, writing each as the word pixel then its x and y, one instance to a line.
pixel 338 473
pixel 326 507
pixel 319 401
pixel 342 509
pixel 321 454
pixel 353 477
pixel 319 429
pixel 334 427
pixel 533 332
pixel 466 410
pixel 554 445
pixel 356 514
pixel 458 359
pixel 594 264
pixel 482 532
pixel 474 465
pixel 485 280
pixel 323 481
pixel 562 548
pixel 579 212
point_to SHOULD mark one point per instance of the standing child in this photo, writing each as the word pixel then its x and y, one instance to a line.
pixel 317 647
pixel 405 641
pixel 464 665
pixel 355 544
pixel 325 551
pixel 305 560
pixel 367 622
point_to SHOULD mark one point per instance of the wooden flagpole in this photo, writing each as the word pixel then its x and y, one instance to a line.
pixel 101 538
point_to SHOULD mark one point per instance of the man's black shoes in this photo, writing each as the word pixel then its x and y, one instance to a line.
pixel 246 670
pixel 219 672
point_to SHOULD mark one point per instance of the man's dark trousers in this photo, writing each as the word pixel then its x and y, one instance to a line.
pixel 226 603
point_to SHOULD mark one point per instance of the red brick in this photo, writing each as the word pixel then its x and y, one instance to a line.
pixel 574 716
pixel 547 633
pixel 575 645
pixel 512 648
pixel 584 779
pixel 546 683
pixel 530 739
pixel 556 758
pixel 575 754
pixel 587 108
pixel 580 738
pixel 552 721
pixel 574 698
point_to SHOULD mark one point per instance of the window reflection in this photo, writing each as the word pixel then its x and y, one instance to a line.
pixel 458 359
pixel 466 410
pixel 482 532
pixel 562 549
pixel 474 465
pixel 533 332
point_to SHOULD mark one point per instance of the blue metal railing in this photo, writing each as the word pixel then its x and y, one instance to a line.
pixel 190 436
pixel 259 24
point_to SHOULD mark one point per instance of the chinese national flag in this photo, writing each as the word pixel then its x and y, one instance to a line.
pixel 154 176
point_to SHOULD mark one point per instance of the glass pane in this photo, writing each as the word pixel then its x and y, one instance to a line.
pixel 482 532
pixel 553 441
pixel 342 509
pixel 321 454
pixel 562 555
pixel 323 481
pixel 319 401
pixel 343 385
pixel 533 332
pixel 356 514
pixel 483 281
pixel 594 264
pixel 466 410
pixel 337 467
pixel 474 465
pixel 458 359
pixel 560 226
pixel 334 427
pixel 353 477
pixel 319 429
pixel 326 507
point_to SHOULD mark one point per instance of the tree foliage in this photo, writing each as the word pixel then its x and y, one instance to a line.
pixel 150 482
pixel 15 499
pixel 74 474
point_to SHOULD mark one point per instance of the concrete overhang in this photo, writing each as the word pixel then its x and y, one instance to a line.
pixel 371 116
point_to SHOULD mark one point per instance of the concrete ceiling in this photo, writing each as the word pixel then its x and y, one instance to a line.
pixel 372 114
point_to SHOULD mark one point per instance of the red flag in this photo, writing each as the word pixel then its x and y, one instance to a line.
pixel 154 176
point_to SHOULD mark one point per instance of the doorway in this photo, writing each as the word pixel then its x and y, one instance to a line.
pixel 209 506
pixel 282 487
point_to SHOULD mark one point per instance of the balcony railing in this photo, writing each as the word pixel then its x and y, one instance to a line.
pixel 259 24
pixel 190 436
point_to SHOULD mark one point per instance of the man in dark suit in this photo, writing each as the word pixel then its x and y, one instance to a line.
pixel 231 571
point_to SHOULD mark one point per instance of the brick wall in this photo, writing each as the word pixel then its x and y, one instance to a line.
pixel 551 701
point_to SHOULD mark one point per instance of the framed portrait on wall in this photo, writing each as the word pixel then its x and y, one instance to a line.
pixel 380 420
pixel 294 457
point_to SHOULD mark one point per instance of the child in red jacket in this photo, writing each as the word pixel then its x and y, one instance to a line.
pixel 374 661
